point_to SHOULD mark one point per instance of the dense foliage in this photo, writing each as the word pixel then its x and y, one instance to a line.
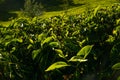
pixel 32 8
pixel 85 46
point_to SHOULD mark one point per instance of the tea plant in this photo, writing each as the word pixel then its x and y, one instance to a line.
pixel 68 47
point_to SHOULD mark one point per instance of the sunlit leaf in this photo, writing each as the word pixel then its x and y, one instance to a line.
pixel 77 59
pixel 29 46
pixel 8 37
pixel 7 43
pixel 41 36
pixel 50 30
pixel 116 66
pixel 13 49
pixel 35 53
pixel 57 65
pixel 54 44
pixel 60 53
pixel 82 42
pixel 48 39
pixel 96 9
pixel 110 39
pixel 66 34
pixel 0 56
pixel 20 40
pixel 75 33
pixel 118 21
pixel 85 51
pixel 31 41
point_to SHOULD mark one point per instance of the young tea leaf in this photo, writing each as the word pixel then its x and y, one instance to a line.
pixel 116 66
pixel 60 53
pixel 31 41
pixel 54 44
pixel 35 53
pixel 20 40
pixel 29 46
pixel 57 65
pixel 77 59
pixel 48 39
pixel 41 36
pixel 96 10
pixel 85 51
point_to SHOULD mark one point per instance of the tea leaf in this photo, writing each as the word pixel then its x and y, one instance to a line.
pixel 35 53
pixel 85 51
pixel 57 65
pixel 60 53
pixel 54 44
pixel 116 66
pixel 77 59
pixel 48 39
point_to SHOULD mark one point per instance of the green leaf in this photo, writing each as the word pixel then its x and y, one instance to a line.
pixel 116 66
pixel 57 65
pixel 77 59
pixel 96 10
pixel 54 44
pixel 35 53
pixel 20 40
pixel 7 43
pixel 81 43
pixel 41 36
pixel 110 39
pixel 75 33
pixel 8 37
pixel 29 46
pixel 31 41
pixel 48 39
pixel 85 51
pixel 13 49
pixel 118 78
pixel 13 40
pixel 117 21
pixel 67 32
pixel 60 53
pixel 0 56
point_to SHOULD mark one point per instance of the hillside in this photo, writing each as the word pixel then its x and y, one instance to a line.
pixel 13 9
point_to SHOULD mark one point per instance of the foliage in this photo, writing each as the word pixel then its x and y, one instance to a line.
pixel 32 8
pixel 69 63
pixel 116 66
pixel 77 58
pixel 29 46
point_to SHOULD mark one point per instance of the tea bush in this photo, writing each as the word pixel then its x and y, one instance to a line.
pixel 72 47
